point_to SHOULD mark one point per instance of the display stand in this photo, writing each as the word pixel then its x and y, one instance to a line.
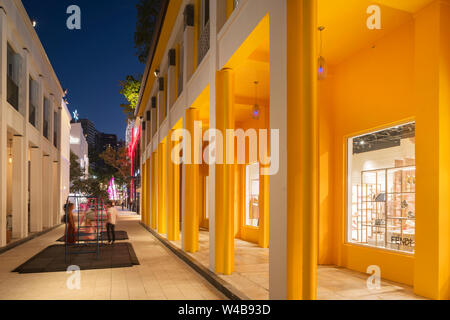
pixel 384 208
pixel 89 229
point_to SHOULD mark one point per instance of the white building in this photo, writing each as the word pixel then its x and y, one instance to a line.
pixel 79 146
pixel 33 130
pixel 65 152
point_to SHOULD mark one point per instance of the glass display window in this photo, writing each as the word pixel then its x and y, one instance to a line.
pixel 381 182
pixel 252 195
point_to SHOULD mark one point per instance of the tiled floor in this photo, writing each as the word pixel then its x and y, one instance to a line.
pixel 252 276
pixel 161 274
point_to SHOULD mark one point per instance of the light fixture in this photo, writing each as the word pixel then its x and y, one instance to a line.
pixel 322 64
pixel 256 111
pixel 10 158
pixel 34 23
pixel 156 73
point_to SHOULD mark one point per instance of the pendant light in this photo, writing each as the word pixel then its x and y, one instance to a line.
pixel 256 111
pixel 322 64
pixel 10 158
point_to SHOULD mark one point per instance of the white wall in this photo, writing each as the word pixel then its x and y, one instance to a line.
pixel 65 152
pixel 381 159
pixel 79 146
pixel 17 31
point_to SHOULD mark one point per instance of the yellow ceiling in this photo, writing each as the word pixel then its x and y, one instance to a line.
pixel 410 6
pixel 345 23
pixel 251 62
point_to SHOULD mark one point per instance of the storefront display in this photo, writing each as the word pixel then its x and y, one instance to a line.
pixel 383 197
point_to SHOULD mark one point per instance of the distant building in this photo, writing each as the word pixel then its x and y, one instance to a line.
pixel 79 146
pixel 90 133
pixel 105 140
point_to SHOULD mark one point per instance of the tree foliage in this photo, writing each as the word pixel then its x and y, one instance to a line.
pixel 75 170
pixel 118 159
pixel 147 14
pixel 89 186
pixel 130 88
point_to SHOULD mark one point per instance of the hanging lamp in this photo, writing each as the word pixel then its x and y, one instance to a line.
pixel 322 71
pixel 256 111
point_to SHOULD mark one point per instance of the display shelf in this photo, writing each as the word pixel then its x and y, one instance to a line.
pixel 383 208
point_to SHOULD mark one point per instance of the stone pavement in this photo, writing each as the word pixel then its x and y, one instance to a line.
pixel 160 275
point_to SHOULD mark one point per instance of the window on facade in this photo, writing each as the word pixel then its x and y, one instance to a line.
pixel 252 195
pixel 33 101
pixel 55 129
pixel 204 36
pixel 205 12
pixel 166 93
pixel 13 78
pixel 46 124
pixel 180 70
pixel 381 185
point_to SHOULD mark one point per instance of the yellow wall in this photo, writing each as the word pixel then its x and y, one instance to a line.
pixel 369 90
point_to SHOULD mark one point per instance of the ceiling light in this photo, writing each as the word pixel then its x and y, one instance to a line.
pixel 256 111
pixel 34 23
pixel 322 64
pixel 156 73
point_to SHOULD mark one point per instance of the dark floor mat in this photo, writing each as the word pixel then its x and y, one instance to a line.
pixel 120 236
pixel 52 259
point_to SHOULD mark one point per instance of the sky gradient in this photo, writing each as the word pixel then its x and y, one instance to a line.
pixel 90 62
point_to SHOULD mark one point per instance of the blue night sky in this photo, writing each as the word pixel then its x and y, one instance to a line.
pixel 90 62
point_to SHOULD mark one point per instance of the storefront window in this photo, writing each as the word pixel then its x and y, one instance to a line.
pixel 252 195
pixel 381 189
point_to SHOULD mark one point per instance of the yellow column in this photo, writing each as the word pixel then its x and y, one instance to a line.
pixel 154 191
pixel 224 213
pixel 432 74
pixel 191 189
pixel 174 190
pixel 162 187
pixel 143 188
pixel 147 193
pixel 264 193
pixel 302 147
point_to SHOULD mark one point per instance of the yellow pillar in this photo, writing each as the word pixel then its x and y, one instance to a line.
pixel 154 191
pixel 147 193
pixel 432 74
pixel 302 150
pixel 264 192
pixel 191 189
pixel 143 192
pixel 162 187
pixel 224 212
pixel 174 196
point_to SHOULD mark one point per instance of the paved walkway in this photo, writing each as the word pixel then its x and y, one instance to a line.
pixel 160 276
pixel 251 276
